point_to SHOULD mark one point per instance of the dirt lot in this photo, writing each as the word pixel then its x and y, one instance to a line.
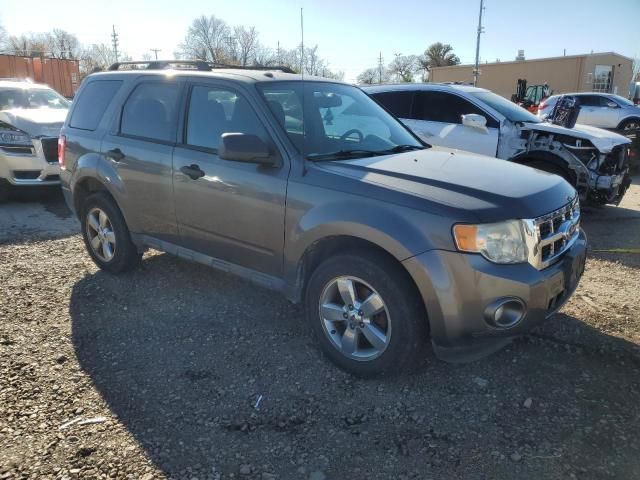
pixel 170 360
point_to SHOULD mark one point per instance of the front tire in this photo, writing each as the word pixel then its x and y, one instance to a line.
pixel 630 125
pixel 366 314
pixel 106 235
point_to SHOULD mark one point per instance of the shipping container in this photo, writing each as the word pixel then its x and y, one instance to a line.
pixel 63 75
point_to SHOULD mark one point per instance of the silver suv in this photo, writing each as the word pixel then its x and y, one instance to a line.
pixel 31 116
pixel 310 188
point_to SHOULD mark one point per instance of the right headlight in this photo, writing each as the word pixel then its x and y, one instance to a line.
pixel 502 242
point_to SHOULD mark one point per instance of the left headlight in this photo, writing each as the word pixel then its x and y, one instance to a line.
pixel 14 137
pixel 502 242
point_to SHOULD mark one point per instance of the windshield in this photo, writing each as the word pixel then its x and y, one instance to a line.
pixel 31 98
pixel 507 108
pixel 335 120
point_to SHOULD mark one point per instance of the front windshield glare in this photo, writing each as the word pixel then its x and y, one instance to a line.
pixel 31 98
pixel 335 120
pixel 507 108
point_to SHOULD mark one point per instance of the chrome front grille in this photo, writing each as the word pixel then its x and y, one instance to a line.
pixel 549 236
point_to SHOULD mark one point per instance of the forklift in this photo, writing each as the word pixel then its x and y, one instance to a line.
pixel 531 96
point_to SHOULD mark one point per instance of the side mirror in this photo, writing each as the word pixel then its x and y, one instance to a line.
pixel 242 147
pixel 474 120
pixel 612 105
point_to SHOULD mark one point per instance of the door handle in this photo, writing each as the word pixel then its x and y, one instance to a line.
pixel 115 154
pixel 193 171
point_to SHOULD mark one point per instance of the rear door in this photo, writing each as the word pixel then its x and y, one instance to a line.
pixel 437 119
pixel 233 211
pixel 140 148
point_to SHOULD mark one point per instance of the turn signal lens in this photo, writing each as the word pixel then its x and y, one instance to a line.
pixel 62 143
pixel 465 236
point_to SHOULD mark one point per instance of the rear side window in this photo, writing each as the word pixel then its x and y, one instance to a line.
pixel 92 103
pixel 446 108
pixel 398 103
pixel 150 112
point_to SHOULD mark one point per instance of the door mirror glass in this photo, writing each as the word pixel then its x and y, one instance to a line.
pixel 244 147
pixel 474 120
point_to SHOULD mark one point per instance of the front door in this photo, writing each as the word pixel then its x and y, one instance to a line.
pixel 140 148
pixel 437 119
pixel 231 211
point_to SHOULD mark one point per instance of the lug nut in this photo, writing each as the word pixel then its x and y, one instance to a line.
pixel 350 307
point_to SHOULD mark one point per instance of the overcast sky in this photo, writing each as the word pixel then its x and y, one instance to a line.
pixel 351 33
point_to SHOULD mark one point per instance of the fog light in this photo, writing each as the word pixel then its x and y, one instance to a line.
pixel 505 312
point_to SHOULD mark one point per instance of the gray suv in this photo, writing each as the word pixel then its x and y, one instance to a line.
pixel 310 188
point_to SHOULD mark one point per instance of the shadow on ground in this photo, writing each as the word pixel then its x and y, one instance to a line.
pixel 181 353
pixel 35 214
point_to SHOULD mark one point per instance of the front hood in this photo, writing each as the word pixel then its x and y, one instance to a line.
pixel 603 140
pixel 482 188
pixel 37 122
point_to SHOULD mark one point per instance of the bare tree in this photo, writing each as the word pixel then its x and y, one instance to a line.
pixel 404 67
pixel 247 41
pixel 146 57
pixel 635 75
pixel 264 57
pixel 206 39
pixel 369 76
pixel 62 44
pixel 3 37
pixel 97 57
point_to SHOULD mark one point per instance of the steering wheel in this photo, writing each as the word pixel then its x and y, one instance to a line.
pixel 348 133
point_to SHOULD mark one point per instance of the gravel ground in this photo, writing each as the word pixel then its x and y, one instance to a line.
pixel 178 371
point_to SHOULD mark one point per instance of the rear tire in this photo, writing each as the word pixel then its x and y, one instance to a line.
pixel 383 335
pixel 106 235
pixel 630 125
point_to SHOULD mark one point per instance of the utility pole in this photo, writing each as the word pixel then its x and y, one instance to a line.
pixel 279 58
pixel 476 70
pixel 155 51
pixel 114 42
pixel 380 68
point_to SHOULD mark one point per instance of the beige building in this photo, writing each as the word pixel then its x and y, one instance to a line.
pixel 596 72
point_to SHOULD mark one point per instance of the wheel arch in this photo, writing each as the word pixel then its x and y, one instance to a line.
pixel 626 119
pixel 325 247
pixel 541 156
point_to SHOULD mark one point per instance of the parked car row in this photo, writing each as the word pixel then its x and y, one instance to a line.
pixel 312 189
pixel 390 233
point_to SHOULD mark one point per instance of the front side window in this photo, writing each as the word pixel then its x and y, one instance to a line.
pixel 323 118
pixel 445 107
pixel 214 111
pixel 150 112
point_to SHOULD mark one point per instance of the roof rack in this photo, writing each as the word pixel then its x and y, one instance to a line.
pixel 199 65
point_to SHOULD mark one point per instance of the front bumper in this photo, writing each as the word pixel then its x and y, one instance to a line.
pixel 457 288
pixel 25 167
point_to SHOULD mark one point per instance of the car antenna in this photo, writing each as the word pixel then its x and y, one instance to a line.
pixel 304 136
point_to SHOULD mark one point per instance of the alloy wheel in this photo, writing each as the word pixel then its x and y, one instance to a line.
pixel 355 318
pixel 102 238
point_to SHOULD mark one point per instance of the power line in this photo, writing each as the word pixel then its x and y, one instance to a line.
pixel 155 51
pixel 114 42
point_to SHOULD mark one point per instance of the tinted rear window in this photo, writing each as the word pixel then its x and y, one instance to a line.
pixel 398 103
pixel 92 103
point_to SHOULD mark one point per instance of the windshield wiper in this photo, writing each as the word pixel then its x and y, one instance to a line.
pixel 359 153
pixel 341 155
pixel 401 148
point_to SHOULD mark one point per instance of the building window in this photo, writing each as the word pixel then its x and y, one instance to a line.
pixel 602 78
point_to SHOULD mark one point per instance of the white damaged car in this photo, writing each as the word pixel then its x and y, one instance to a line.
pixel 31 116
pixel 594 161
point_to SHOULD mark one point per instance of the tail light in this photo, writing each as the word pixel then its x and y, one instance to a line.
pixel 62 143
